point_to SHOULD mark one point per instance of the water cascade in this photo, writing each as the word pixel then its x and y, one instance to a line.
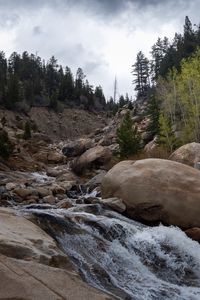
pixel 122 257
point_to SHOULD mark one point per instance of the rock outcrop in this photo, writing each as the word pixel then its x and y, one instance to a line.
pixel 156 190
pixel 32 266
pixel 78 147
pixel 188 154
pixel 98 156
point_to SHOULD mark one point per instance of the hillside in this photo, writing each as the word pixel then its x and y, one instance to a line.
pixel 69 124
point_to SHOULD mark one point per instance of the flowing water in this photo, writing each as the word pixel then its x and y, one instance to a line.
pixel 122 257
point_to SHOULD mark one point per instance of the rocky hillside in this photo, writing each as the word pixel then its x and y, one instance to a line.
pixel 70 123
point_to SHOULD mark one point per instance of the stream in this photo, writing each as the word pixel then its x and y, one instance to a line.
pixel 122 257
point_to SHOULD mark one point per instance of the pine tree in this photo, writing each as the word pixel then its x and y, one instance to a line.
pixel 167 137
pixel 27 131
pixel 27 79
pixel 128 138
pixel 14 94
pixel 158 52
pixel 99 95
pixel 153 111
pixel 79 82
pixel 6 147
pixel 3 76
pixel 122 101
pixel 141 71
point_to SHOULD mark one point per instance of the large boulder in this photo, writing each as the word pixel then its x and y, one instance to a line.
pixel 32 266
pixel 78 147
pixel 156 190
pixel 21 239
pixel 96 156
pixel 154 150
pixel 115 204
pixel 49 156
pixel 96 180
pixel 188 154
pixel 55 157
pixel 30 280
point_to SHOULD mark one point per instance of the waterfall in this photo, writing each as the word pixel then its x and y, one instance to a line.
pixel 122 257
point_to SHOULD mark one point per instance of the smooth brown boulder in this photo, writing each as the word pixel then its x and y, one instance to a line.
pixel 115 204
pixel 21 239
pixel 188 154
pixel 32 267
pixel 156 190
pixel 30 281
pixel 49 199
pixel 78 147
pixel 55 157
pixel 49 156
pixel 98 155
pixel 23 192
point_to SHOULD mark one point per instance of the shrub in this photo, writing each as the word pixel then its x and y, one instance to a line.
pixel 128 138
pixel 27 131
pixel 3 121
pixel 6 147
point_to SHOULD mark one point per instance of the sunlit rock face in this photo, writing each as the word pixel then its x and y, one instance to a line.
pixel 33 267
pixel 156 190
pixel 188 154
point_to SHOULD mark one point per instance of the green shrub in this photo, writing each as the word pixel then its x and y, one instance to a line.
pixel 6 147
pixel 128 138
pixel 3 121
pixel 27 131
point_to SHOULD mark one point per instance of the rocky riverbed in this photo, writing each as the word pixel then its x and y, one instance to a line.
pixel 67 235
pixel 88 230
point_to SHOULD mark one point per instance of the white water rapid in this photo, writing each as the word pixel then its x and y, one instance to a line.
pixel 124 258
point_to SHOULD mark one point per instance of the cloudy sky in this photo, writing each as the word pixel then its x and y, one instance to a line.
pixel 100 36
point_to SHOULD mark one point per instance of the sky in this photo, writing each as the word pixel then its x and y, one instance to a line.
pixel 102 37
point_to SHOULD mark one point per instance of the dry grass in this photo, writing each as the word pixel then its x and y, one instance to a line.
pixel 155 153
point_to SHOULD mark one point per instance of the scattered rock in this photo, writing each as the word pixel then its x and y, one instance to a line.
pixel 114 203
pixel 33 198
pixel 23 193
pixel 41 156
pixel 52 172
pixel 91 200
pixel 11 186
pixel 64 204
pixel 107 140
pixel 31 201
pixel 43 192
pixel 67 176
pixel 57 189
pixel 55 157
pixel 67 185
pixel 49 199
pixel 38 136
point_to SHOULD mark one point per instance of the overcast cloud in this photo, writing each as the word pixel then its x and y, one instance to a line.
pixel 101 36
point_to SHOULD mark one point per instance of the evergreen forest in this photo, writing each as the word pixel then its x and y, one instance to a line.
pixel 169 82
